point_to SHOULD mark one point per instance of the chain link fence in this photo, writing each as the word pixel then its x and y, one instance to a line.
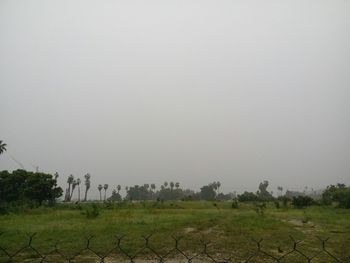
pixel 148 253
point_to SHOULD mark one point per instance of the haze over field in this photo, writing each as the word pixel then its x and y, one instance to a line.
pixel 192 91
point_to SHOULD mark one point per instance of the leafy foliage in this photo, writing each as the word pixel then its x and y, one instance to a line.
pixel 247 196
pixel 302 201
pixel 2 147
pixel 22 186
pixel 339 193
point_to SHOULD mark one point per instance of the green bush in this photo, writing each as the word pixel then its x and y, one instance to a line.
pixel 302 201
pixel 234 204
pixel 337 193
pixel 93 211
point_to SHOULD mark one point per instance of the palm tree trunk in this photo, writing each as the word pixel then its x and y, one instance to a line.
pixel 68 193
pixel 105 195
pixel 85 194
pixel 100 197
pixel 78 193
pixel 70 198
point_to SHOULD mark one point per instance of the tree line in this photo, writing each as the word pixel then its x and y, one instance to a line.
pixel 35 188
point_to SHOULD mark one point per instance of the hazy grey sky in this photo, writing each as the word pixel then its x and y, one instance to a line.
pixel 192 91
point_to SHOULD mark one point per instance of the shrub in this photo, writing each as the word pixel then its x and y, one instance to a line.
pixel 302 201
pixel 339 193
pixel 277 204
pixel 260 208
pixel 93 211
pixel 234 204
pixel 247 196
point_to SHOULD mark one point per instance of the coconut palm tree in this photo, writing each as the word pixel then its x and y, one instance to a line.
pixel 78 183
pixel 280 188
pixel 2 147
pixel 70 181
pixel 218 184
pixel 105 187
pixel 172 185
pixel 87 184
pixel 99 189
pixel 74 184
pixel 165 184
pixel 177 185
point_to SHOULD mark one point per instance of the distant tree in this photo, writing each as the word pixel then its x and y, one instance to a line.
pixel 74 184
pixel 214 185
pixel 87 185
pixel 99 187
pixel 177 185
pixel 24 186
pixel 153 187
pixel 263 194
pixel 115 197
pixel 302 201
pixel 172 185
pixel 119 188
pixel 218 184
pixel 2 147
pixel 165 184
pixel 78 183
pixel 146 186
pixel 105 187
pixel 137 192
pixel 339 194
pixel 280 189
pixel 70 181
pixel 247 196
pixel 208 192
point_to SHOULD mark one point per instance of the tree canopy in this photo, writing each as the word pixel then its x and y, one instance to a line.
pixel 24 186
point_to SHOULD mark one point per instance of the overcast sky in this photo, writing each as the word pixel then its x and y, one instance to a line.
pixel 192 91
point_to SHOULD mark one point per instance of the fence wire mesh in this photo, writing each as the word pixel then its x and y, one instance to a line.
pixel 147 252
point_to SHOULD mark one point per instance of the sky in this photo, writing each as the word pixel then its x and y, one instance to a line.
pixel 190 91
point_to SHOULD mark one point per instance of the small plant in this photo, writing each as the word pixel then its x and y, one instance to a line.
pixel 93 211
pixel 277 204
pixel 305 219
pixel 302 201
pixel 234 204
pixel 285 201
pixel 260 208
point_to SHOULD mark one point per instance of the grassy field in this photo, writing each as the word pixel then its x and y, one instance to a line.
pixel 227 229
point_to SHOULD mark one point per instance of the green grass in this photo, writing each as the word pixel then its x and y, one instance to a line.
pixel 228 229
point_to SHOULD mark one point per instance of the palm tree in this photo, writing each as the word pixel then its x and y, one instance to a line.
pixel 87 184
pixel 218 184
pixel 70 181
pixel 105 187
pixel 99 189
pixel 153 187
pixel 172 185
pixel 2 147
pixel 74 184
pixel 78 183
pixel 119 188
pixel 280 188
pixel 215 186
pixel 177 185
pixel 165 184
